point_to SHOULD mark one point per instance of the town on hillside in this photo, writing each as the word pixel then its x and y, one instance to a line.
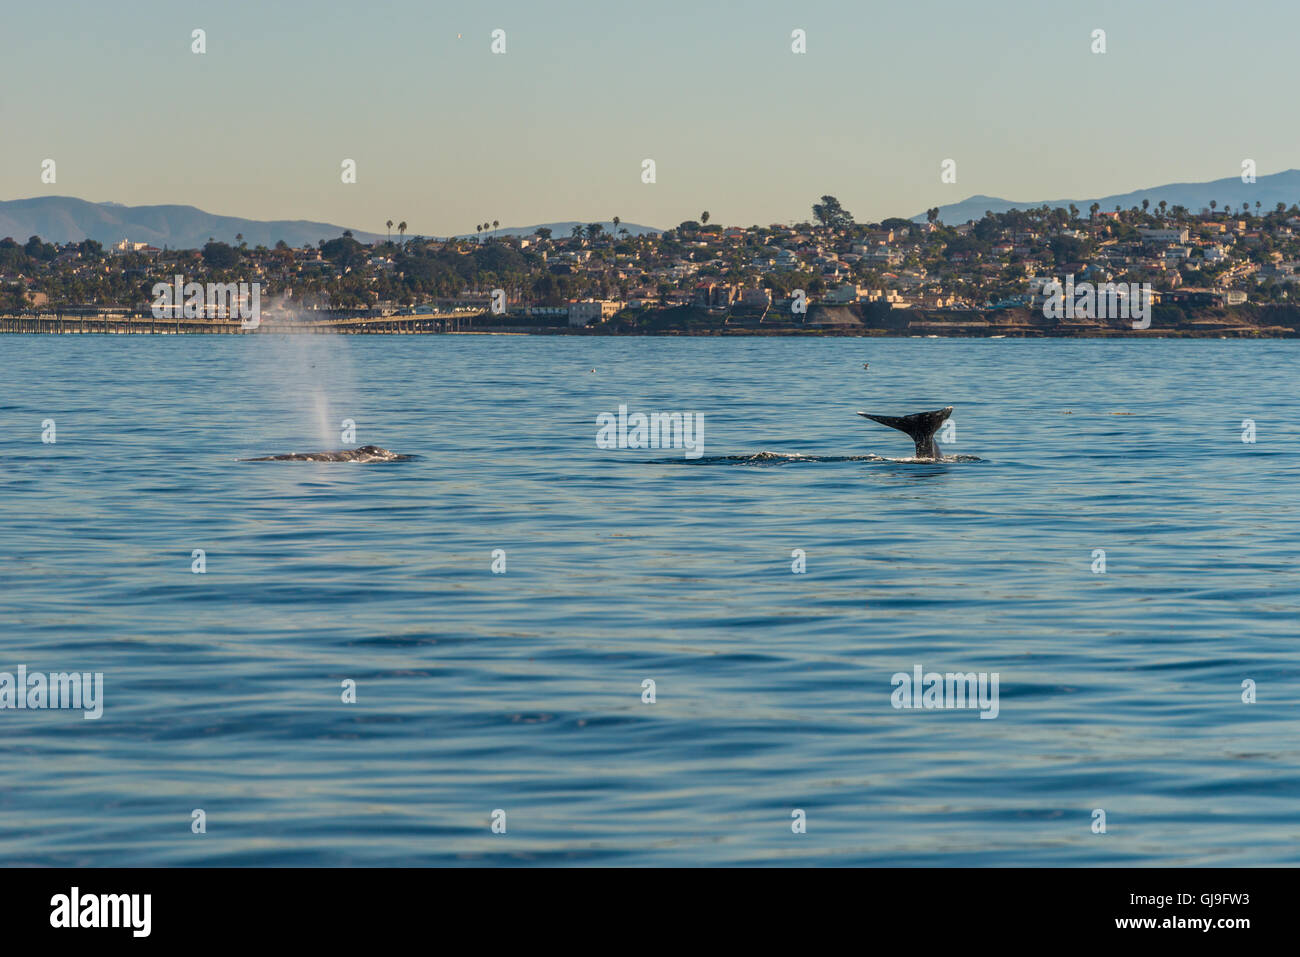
pixel 1211 271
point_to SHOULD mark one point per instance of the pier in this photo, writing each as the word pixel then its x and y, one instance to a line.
pixel 123 324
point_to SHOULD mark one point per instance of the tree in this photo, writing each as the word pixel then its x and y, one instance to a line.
pixel 13 300
pixel 932 214
pixel 219 255
pixel 401 228
pixel 616 221
pixel 496 224
pixel 704 217
pixel 1067 250
pixel 343 252
pixel 831 214
pixel 390 230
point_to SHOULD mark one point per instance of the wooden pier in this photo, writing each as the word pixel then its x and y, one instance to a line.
pixel 116 324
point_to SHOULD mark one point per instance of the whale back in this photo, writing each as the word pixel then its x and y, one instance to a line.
pixel 364 454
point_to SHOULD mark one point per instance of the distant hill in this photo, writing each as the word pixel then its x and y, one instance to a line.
pixel 61 219
pixel 563 229
pixel 1268 191
pixel 66 219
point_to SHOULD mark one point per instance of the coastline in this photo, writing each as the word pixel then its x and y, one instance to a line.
pixel 821 321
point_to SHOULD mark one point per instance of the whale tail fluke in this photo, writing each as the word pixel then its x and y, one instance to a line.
pixel 921 426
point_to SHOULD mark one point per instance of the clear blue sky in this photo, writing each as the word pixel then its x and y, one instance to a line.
pixel 447 135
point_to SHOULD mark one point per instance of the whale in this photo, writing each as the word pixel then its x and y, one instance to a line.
pixel 921 426
pixel 365 454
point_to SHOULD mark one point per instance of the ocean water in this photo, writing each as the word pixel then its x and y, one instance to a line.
pixel 522 692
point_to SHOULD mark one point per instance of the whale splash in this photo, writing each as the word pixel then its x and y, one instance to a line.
pixel 763 459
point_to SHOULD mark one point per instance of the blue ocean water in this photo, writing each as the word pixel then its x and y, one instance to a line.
pixel 522 692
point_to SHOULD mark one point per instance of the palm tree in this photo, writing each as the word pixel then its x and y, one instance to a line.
pixel 704 218
pixel 390 230
pixel 616 221
pixel 401 228
pixel 478 228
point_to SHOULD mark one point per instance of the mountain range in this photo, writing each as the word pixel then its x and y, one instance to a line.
pixel 64 219
pixel 1268 191
pixel 67 219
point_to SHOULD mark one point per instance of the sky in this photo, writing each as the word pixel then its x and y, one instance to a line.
pixel 446 134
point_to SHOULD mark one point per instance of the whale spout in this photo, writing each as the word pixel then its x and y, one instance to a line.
pixel 921 426
pixel 365 454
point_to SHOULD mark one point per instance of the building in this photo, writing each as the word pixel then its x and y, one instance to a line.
pixel 847 293
pixel 583 312
pixel 787 260
pixel 127 246
pixel 1163 235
